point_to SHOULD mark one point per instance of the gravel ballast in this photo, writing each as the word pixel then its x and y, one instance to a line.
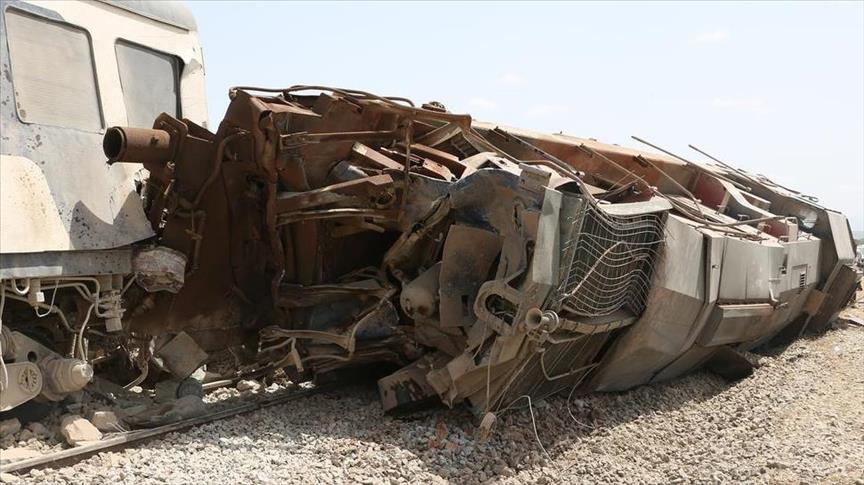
pixel 798 419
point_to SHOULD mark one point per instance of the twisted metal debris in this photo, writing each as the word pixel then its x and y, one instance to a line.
pixel 322 229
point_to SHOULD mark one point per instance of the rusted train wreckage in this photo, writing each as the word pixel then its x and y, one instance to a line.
pixel 320 229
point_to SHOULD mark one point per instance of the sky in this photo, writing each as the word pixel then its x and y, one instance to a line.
pixel 775 88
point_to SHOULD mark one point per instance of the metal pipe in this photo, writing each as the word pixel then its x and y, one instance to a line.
pixel 712 158
pixel 696 203
pixel 693 164
pixel 217 165
pixel 125 144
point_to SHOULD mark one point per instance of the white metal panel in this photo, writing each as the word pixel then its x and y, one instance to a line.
pixel 802 259
pixel 94 204
pixel 751 270
pixel 29 221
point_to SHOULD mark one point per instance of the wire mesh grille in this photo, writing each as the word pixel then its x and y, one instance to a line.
pixel 606 265
pixel 609 260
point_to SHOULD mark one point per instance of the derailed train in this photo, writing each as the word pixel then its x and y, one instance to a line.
pixel 321 229
pixel 342 228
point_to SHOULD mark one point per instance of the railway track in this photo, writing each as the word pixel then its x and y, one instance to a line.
pixel 132 438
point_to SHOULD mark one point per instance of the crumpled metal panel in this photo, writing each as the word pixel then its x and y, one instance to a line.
pixel 337 228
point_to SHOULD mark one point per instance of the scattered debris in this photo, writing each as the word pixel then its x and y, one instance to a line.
pixel 15 454
pixel 854 320
pixel 77 430
pixel 699 425
pixel 166 391
pixel 159 269
pixel 248 385
pixel 105 421
pixel 185 407
pixel 8 478
pixel 25 434
pixel 39 429
pixel 9 427
pixel 182 356
pixel 133 410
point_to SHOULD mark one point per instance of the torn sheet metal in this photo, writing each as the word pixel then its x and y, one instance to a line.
pixel 324 229
pixel 521 263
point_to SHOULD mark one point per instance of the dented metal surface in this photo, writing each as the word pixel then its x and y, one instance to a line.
pixel 324 229
pixel 344 228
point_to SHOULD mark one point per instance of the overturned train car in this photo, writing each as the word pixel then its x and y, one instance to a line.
pixel 322 229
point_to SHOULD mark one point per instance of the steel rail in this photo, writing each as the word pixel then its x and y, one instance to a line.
pixel 130 438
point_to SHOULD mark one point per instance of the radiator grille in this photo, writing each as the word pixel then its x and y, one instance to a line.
pixel 608 261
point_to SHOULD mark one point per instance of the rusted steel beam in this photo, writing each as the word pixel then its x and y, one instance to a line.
pixel 374 158
pixel 373 188
pixel 450 161
pixel 299 139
